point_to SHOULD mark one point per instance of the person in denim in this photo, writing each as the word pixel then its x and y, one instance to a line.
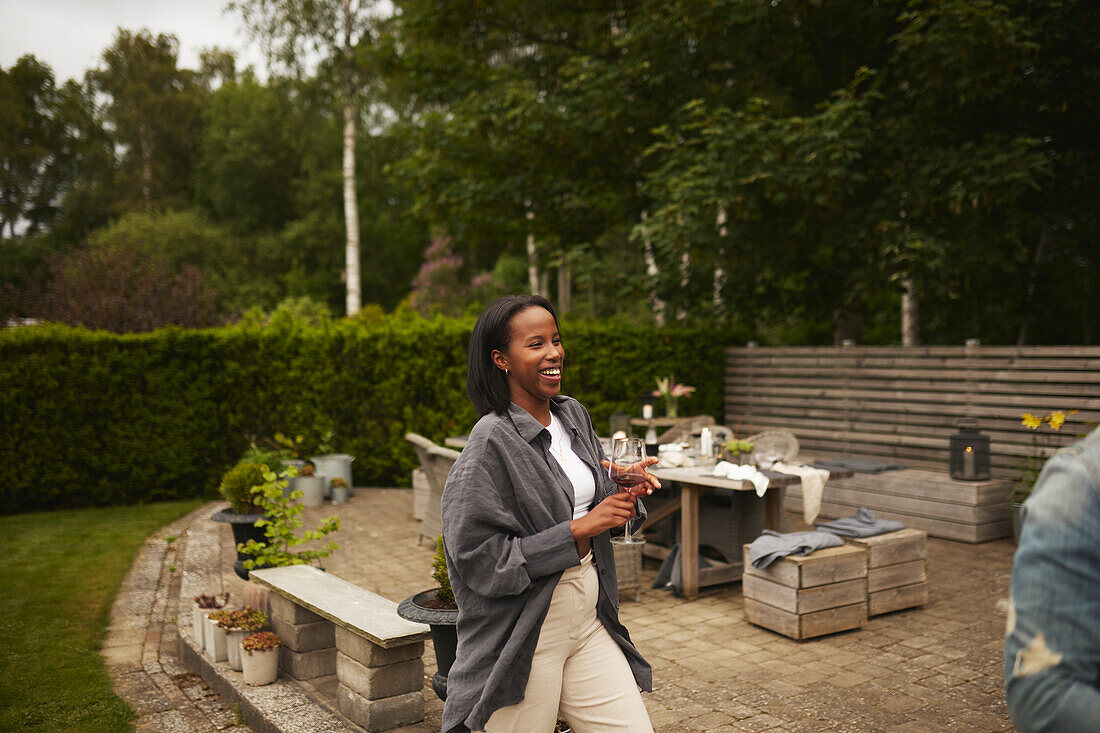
pixel 1052 646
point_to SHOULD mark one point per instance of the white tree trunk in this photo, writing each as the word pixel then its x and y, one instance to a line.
pixel 532 256
pixel 910 333
pixel 565 284
pixel 659 306
pixel 351 204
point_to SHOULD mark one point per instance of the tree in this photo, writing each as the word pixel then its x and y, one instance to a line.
pixel 154 112
pixel 289 29
pixel 36 147
pixel 248 156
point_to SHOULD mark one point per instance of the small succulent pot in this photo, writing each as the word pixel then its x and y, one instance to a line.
pixel 237 625
pixel 339 491
pixel 215 641
pixel 203 606
pixel 233 647
pixel 260 658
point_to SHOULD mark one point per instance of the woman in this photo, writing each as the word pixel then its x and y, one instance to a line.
pixel 526 520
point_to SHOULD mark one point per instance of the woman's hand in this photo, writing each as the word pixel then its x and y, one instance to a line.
pixel 614 511
pixel 651 482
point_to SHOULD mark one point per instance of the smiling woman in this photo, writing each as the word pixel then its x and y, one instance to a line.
pixel 527 515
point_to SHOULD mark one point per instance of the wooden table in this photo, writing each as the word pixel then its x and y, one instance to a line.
pixel 697 482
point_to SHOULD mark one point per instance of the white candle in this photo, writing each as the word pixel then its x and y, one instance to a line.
pixel 705 446
pixel 968 463
pixel 647 411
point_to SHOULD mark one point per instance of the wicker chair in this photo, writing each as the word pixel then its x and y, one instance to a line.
pixel 436 462
pixel 685 429
pixel 780 443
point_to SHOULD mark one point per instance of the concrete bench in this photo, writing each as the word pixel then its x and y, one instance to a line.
pixel 329 625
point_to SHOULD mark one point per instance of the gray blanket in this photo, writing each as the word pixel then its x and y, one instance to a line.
pixel 863 523
pixel 859 464
pixel 772 546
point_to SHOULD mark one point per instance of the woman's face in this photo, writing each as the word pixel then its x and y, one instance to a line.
pixel 534 357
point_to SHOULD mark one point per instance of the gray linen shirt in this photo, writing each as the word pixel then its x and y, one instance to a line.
pixel 506 514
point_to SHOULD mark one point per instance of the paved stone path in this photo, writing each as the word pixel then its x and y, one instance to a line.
pixel 937 668
pixel 140 650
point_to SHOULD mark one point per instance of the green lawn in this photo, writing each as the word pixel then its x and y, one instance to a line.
pixel 59 576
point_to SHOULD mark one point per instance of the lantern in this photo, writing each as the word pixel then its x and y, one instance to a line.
pixel 620 422
pixel 648 401
pixel 969 459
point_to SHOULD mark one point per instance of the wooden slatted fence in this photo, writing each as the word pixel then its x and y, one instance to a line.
pixel 904 403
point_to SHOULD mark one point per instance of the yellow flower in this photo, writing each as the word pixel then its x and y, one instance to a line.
pixel 1030 421
pixel 1056 419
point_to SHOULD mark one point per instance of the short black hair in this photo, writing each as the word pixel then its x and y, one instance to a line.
pixel 485 383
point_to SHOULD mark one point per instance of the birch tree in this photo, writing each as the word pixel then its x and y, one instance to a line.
pixel 293 31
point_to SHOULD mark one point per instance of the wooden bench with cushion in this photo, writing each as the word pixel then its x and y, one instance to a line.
pixel 329 625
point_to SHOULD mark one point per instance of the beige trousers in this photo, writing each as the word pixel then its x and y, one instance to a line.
pixel 578 671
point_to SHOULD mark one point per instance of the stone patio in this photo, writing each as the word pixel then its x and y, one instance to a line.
pixel 936 668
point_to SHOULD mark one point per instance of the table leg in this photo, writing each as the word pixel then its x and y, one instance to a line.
pixel 689 540
pixel 775 517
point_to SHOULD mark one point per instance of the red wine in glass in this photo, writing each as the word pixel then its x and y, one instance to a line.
pixel 625 470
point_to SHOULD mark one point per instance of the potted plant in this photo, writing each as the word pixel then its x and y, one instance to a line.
pixel 311 485
pixel 340 490
pixel 672 392
pixel 438 609
pixel 236 487
pixel 279 523
pixel 332 465
pixel 237 625
pixel 260 657
pixel 204 604
pixel 216 622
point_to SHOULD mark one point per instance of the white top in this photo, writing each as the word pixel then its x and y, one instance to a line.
pixel 576 470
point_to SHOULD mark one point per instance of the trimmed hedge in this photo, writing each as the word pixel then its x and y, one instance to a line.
pixel 92 418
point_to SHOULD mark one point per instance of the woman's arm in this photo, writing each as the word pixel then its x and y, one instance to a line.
pixel 486 542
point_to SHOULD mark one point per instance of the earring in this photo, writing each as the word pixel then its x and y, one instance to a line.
pixel 507 373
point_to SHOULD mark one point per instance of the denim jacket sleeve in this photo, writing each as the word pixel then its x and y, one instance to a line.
pixel 1052 644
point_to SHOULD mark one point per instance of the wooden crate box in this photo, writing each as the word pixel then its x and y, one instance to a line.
pixel 896 572
pixel 808 596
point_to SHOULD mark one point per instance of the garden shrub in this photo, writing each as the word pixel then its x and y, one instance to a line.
pixel 93 418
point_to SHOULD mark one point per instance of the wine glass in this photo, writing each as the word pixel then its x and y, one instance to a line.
pixel 625 470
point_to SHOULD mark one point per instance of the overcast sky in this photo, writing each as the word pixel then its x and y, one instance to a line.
pixel 70 35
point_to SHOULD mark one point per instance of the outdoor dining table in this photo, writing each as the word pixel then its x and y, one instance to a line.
pixel 694 483
pixel 698 481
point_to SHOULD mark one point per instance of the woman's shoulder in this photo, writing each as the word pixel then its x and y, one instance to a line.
pixel 572 409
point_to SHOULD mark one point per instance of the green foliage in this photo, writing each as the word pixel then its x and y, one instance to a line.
pixel 64 570
pixel 282 518
pixel 166 414
pixel 237 485
pixel 439 573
